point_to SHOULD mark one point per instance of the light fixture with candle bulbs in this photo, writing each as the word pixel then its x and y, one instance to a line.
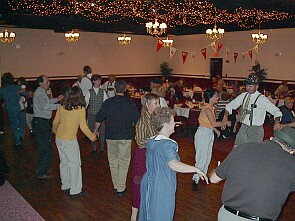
pixel 124 40
pixel 7 37
pixel 167 42
pixel 259 38
pixel 215 34
pixel 72 36
pixel 156 28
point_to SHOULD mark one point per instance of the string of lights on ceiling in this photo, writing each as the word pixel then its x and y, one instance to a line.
pixel 173 13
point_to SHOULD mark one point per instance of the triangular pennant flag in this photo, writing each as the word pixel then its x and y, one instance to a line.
pixel 193 55
pixel 219 46
pixel 227 52
pixel 235 56
pixel 184 56
pixel 256 48
pixel 213 46
pixel 172 52
pixel 160 44
pixel 204 52
pixel 250 54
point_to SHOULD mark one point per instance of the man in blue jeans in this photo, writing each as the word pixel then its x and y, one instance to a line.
pixel 10 94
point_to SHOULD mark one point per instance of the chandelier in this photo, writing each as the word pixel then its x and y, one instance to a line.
pixel 259 38
pixel 167 42
pixel 72 36
pixel 7 37
pixel 124 40
pixel 156 28
pixel 215 34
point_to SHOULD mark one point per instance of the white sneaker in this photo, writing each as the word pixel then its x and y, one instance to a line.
pixel 1 132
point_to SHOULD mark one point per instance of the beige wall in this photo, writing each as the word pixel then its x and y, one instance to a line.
pixel 279 41
pixel 36 52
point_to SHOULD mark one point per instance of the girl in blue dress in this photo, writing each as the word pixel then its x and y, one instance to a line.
pixel 158 185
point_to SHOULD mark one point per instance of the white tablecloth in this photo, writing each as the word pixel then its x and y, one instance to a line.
pixel 184 112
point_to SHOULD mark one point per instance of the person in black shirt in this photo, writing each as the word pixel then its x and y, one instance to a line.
pixel 120 114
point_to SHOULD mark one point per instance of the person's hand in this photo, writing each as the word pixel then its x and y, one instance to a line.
pixel 60 97
pixel 202 175
pixel 96 133
pixel 217 133
pixel 278 127
pixel 228 123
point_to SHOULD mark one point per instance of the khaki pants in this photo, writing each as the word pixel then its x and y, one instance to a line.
pixel 29 118
pixel 70 165
pixel 224 215
pixel 119 155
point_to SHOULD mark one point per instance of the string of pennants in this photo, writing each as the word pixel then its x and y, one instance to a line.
pixel 193 54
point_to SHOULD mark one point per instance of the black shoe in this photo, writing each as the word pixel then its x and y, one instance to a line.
pixel 18 146
pixel 82 193
pixel 46 177
pixel 66 190
pixel 224 137
pixel 121 194
pixel 195 187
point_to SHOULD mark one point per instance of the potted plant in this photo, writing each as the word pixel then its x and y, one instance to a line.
pixel 258 71
pixel 165 70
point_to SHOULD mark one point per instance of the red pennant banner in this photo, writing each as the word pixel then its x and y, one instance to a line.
pixel 219 46
pixel 184 56
pixel 204 52
pixel 250 54
pixel 160 44
pixel 235 56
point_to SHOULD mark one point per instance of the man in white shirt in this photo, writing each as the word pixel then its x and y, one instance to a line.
pixel 86 83
pixel 109 86
pixel 254 107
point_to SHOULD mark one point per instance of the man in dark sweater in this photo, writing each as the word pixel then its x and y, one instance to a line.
pixel 259 178
pixel 120 114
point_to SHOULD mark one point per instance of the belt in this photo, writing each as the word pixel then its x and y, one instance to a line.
pixel 244 215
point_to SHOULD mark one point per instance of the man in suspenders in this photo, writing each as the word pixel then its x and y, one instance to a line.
pixel 109 86
pixel 254 106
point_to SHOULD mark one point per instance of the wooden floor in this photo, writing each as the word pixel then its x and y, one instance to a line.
pixel 101 203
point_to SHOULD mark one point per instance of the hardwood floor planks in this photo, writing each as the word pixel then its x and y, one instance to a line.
pixel 101 203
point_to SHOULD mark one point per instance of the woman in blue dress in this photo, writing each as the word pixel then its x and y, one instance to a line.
pixel 158 185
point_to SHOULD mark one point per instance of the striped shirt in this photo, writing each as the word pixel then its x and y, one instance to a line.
pixel 144 130
pixel 219 107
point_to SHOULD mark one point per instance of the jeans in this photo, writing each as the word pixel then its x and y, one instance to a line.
pixel 17 122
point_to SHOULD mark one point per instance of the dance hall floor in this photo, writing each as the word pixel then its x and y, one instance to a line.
pixel 100 202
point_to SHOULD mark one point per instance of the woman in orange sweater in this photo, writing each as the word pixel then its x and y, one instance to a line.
pixel 69 117
pixel 204 136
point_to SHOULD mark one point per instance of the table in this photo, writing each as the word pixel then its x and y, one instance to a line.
pixel 185 111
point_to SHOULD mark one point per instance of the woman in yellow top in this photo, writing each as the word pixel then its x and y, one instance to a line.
pixel 69 117
pixel 204 136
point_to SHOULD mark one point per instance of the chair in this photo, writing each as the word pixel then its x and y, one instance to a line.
pixel 198 96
